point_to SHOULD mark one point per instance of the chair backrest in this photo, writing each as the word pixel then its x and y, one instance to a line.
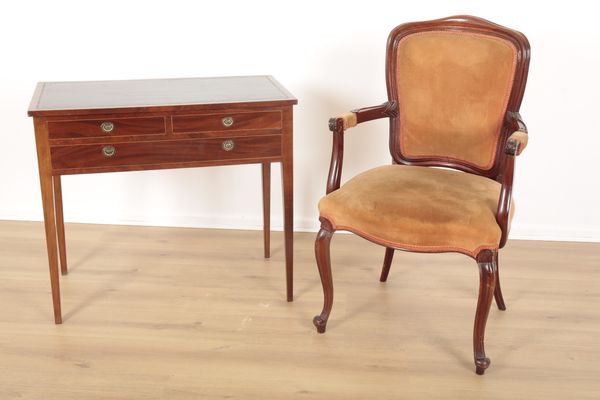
pixel 454 80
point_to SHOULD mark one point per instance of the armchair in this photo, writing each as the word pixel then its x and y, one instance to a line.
pixel 454 87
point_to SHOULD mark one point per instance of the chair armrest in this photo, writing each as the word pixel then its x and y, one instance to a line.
pixel 341 123
pixel 517 141
pixel 355 117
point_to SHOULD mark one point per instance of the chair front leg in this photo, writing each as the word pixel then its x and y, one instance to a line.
pixel 322 244
pixel 486 261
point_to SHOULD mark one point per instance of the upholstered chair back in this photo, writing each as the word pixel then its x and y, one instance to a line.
pixel 453 83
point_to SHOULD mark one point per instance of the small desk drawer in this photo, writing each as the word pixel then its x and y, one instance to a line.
pixel 227 121
pixel 106 127
pixel 164 152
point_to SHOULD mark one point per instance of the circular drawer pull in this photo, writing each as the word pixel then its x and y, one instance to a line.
pixel 107 127
pixel 109 151
pixel 228 145
pixel 227 121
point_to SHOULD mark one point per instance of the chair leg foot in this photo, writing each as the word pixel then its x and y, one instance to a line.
pixel 481 364
pixel 322 244
pixel 487 283
pixel 320 323
pixel 387 263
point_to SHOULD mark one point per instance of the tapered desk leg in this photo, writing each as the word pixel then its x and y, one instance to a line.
pixel 48 203
pixel 266 187
pixel 45 168
pixel 60 224
pixel 287 175
pixel 288 228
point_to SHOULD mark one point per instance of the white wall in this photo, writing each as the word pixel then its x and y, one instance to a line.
pixel 330 54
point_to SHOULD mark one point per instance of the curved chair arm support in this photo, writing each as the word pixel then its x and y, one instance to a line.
pixel 512 149
pixel 515 144
pixel 505 199
pixel 341 123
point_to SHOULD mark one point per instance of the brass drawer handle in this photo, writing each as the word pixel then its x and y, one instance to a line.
pixel 109 151
pixel 107 127
pixel 227 121
pixel 228 145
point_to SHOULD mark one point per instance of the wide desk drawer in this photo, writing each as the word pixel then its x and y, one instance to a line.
pixel 171 152
pixel 86 128
pixel 227 121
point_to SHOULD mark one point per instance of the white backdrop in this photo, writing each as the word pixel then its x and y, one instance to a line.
pixel 330 55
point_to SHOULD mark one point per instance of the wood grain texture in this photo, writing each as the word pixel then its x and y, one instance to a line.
pixel 60 224
pixel 85 128
pixel 165 151
pixel 182 314
pixel 214 122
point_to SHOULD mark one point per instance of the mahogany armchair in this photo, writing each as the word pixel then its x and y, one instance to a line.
pixel 454 87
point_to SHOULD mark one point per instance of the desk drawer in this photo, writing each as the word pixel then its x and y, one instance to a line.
pixel 106 127
pixel 227 121
pixel 164 152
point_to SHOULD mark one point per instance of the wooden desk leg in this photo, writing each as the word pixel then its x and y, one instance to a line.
pixel 60 224
pixel 48 203
pixel 288 227
pixel 45 168
pixel 287 184
pixel 266 187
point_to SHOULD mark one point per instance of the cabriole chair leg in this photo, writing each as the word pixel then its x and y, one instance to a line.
pixel 322 245
pixel 486 261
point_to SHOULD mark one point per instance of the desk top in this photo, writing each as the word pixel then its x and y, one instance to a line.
pixel 96 97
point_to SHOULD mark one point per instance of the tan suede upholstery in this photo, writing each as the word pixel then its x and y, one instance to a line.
pixel 349 120
pixel 453 90
pixel 418 208
pixel 522 138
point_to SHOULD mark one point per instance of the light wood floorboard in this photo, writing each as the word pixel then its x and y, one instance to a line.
pixel 170 313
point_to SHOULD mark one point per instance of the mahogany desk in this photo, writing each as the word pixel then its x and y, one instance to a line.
pixel 108 126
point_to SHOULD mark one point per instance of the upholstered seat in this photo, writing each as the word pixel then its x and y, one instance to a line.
pixel 418 208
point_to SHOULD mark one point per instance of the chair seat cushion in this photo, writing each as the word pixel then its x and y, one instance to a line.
pixel 418 209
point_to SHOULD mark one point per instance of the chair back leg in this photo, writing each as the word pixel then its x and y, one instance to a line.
pixel 387 263
pixel 497 290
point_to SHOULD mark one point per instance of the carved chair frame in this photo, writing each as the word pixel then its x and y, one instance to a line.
pixel 501 170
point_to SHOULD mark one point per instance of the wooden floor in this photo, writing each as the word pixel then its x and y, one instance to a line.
pixel 165 313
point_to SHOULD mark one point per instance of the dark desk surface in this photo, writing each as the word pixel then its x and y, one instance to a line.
pixel 64 98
